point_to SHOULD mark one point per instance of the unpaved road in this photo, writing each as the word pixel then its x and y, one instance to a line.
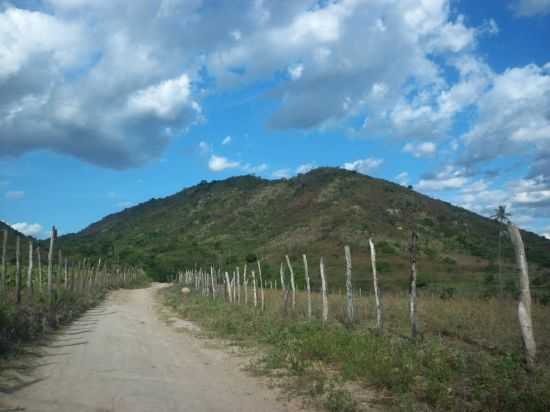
pixel 122 357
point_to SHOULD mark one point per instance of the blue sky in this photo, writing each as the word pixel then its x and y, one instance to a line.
pixel 107 104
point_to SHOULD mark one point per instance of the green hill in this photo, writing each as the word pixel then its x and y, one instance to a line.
pixel 10 250
pixel 230 221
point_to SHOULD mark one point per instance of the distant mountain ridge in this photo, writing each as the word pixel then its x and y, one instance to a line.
pixel 229 221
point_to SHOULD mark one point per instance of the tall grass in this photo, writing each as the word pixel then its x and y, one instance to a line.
pixel 468 356
pixel 31 319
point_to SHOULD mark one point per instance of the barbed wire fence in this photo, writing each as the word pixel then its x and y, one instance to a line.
pixel 362 302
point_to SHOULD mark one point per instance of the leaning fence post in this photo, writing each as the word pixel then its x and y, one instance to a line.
pixel 379 308
pixel 349 290
pixel 292 283
pixel 282 273
pixel 285 289
pixel 412 286
pixel 17 270
pixel 29 273
pixel 324 290
pixel 524 305
pixel 308 286
pixel 228 285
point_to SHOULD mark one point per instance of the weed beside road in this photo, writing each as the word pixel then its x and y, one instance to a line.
pixel 436 372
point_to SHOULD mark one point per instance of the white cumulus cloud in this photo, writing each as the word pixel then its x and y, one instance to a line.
pixel 90 80
pixel 420 149
pixel 513 119
pixel 262 167
pixel 363 165
pixel 306 167
pixel 449 178
pixel 282 173
pixel 220 163
pixel 402 178
pixel 164 100
pixel 28 229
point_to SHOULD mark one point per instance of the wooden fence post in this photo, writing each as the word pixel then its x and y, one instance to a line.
pixel 324 291
pixel 212 281
pixel 379 308
pixel 282 273
pixel 245 285
pixel 29 273
pixel 238 286
pixel 66 273
pixel 254 288
pixel 412 286
pixel 3 281
pixel 524 305
pixel 285 289
pixel 228 286
pixel 17 270
pixel 38 257
pixel 59 271
pixel 308 286
pixel 50 264
pixel 349 289
pixel 261 285
pixel 76 277
pixel 292 282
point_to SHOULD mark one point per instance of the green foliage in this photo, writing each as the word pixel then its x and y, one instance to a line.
pixel 447 293
pixel 340 401
pixel 428 372
pixel 421 284
pixel 29 321
pixel 385 248
pixel 32 319
pixel 384 266
pixel 449 261
pixel 236 220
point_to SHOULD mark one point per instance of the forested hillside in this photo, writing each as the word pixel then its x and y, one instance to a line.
pixel 230 221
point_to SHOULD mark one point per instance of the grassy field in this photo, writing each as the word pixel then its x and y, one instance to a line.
pixel 468 355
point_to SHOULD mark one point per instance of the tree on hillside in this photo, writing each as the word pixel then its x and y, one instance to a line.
pixel 501 216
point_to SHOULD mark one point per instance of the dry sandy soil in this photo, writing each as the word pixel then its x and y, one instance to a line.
pixel 122 357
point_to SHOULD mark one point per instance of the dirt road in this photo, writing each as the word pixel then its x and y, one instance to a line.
pixel 122 357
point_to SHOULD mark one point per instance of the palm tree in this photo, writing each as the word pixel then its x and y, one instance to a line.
pixel 501 216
